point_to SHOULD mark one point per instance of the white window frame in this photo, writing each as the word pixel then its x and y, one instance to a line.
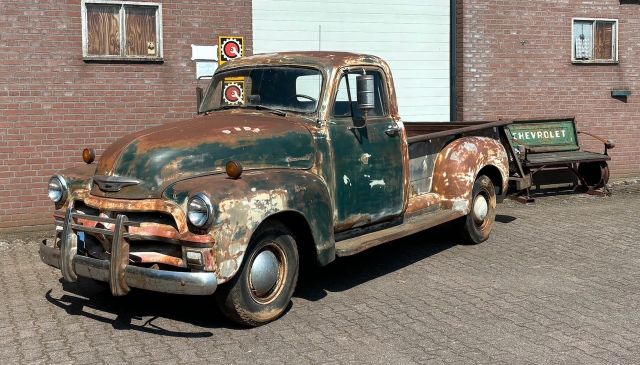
pixel 158 57
pixel 614 44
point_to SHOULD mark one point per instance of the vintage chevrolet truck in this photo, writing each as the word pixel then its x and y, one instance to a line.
pixel 294 159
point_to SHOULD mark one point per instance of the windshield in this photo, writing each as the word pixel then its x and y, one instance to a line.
pixel 291 89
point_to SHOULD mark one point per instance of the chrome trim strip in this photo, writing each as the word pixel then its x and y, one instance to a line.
pixel 112 184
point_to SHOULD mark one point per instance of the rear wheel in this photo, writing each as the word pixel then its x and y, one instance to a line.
pixel 479 222
pixel 262 289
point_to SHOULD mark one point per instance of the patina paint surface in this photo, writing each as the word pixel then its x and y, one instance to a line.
pixel 311 169
pixel 458 165
pixel 204 145
pixel 368 166
pixel 242 205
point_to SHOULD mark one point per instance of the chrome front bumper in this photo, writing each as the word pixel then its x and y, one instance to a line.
pixel 120 275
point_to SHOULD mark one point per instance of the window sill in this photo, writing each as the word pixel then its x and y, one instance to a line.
pixel 594 62
pixel 118 59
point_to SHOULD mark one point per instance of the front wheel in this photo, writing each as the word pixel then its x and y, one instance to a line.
pixel 479 222
pixel 263 287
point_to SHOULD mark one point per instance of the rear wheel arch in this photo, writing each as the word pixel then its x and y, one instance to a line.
pixel 495 175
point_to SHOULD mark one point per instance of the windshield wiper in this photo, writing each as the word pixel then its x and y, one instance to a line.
pixel 222 107
pixel 272 110
pixel 254 106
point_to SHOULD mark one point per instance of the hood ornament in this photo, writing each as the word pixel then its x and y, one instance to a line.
pixel 113 184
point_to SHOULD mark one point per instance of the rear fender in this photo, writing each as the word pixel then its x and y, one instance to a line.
pixel 457 168
pixel 242 205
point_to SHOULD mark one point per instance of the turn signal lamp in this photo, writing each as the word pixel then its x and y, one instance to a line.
pixel 234 169
pixel 88 155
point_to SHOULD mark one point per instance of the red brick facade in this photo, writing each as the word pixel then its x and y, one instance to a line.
pixel 514 61
pixel 52 103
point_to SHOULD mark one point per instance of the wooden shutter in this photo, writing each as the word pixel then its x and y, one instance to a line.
pixel 141 31
pixel 103 26
pixel 604 40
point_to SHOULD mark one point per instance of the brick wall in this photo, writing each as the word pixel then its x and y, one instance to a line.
pixel 53 104
pixel 514 61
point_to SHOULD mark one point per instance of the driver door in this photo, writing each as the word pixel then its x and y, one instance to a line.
pixel 367 161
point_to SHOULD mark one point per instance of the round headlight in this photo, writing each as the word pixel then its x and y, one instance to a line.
pixel 57 189
pixel 199 211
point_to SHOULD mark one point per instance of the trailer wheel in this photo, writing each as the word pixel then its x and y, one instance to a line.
pixel 479 222
pixel 262 289
pixel 595 174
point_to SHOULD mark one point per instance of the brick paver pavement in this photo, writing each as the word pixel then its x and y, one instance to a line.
pixel 558 282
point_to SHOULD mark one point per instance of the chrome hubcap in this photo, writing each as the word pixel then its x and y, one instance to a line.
pixel 480 208
pixel 264 274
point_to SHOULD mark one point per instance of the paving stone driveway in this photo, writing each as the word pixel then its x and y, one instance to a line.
pixel 558 282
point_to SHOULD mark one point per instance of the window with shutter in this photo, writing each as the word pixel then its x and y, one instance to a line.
pixel 118 30
pixel 595 41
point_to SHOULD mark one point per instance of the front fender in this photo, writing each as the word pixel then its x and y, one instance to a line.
pixel 78 180
pixel 458 165
pixel 242 205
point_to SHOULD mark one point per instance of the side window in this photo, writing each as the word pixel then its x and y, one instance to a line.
pixel 341 108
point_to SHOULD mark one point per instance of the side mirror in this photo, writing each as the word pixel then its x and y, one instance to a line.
pixel 199 96
pixel 366 93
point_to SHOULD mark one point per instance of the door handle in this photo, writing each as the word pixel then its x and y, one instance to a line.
pixel 393 130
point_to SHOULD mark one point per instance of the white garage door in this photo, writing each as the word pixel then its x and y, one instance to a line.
pixel 413 36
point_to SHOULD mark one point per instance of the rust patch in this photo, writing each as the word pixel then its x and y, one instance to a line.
pixel 421 202
pixel 143 205
pixel 158 258
pixel 457 167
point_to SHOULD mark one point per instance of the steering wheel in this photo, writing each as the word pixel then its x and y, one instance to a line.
pixel 307 97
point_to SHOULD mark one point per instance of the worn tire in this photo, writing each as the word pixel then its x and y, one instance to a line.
pixel 240 301
pixel 478 223
pixel 595 174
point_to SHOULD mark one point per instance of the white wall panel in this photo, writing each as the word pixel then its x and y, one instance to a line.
pixel 413 36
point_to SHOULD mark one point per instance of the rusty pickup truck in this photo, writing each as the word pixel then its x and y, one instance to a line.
pixel 293 160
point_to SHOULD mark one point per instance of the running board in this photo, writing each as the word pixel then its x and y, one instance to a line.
pixel 410 226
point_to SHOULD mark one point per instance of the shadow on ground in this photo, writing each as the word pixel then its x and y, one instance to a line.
pixel 140 309
pixel 348 272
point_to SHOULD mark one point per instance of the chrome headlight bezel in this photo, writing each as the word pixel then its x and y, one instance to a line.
pixel 62 191
pixel 199 212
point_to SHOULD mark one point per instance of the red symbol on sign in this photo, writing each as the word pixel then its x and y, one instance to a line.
pixel 233 94
pixel 232 49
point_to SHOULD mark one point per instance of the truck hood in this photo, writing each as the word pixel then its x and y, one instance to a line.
pixel 143 164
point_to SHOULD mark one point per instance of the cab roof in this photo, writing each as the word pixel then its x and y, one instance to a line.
pixel 323 59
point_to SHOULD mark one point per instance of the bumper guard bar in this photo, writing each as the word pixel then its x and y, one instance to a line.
pixel 117 271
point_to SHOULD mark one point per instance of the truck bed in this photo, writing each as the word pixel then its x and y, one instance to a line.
pixel 422 131
pixel 427 139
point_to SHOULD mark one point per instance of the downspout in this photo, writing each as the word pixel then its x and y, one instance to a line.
pixel 453 38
